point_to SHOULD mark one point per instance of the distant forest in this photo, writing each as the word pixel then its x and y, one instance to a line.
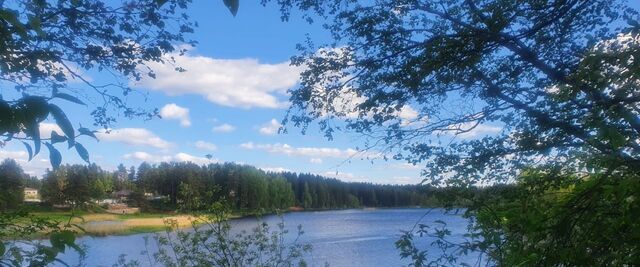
pixel 167 186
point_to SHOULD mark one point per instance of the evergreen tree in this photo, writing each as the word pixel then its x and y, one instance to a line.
pixel 11 184
pixel 308 198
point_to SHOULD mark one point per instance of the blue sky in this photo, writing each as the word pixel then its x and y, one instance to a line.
pixel 228 104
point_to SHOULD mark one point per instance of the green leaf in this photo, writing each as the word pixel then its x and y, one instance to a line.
pixel 36 25
pixel 34 108
pixel 82 152
pixel 11 16
pixel 56 241
pixel 61 240
pixel 160 3
pixel 68 236
pixel 615 138
pixel 56 138
pixel 87 132
pixel 54 156
pixel 29 150
pixel 63 122
pixel 69 98
pixel 232 5
pixel 34 130
pixel 6 116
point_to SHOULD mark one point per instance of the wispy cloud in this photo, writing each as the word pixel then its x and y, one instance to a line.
pixel 223 128
pixel 134 136
pixel 202 145
pixel 469 131
pixel 406 166
pixel 312 152
pixel 179 157
pixel 345 176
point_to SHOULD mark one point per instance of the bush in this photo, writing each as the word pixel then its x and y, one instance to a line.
pixel 211 243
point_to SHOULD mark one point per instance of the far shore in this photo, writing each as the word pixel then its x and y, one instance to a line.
pixel 105 224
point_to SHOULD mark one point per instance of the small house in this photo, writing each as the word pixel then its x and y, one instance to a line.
pixel 31 195
pixel 122 195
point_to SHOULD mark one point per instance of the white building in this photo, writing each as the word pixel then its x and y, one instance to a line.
pixel 31 195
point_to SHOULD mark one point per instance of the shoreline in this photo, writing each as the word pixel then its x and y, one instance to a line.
pixel 108 224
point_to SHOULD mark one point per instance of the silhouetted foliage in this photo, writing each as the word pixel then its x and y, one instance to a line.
pixel 11 184
pixel 15 226
pixel 558 79
pixel 212 243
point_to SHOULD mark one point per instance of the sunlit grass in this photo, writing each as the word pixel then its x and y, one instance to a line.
pixel 117 224
pixel 130 226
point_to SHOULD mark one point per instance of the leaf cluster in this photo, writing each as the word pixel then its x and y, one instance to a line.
pixel 15 250
pixel 215 242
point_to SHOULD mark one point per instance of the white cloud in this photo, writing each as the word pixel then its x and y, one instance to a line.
pixel 409 116
pixel 316 160
pixel 46 128
pixel 247 145
pixel 6 154
pixel 345 176
pixel 350 177
pixel 407 166
pixel 179 157
pixel 134 136
pixel 468 131
pixel 205 146
pixel 270 128
pixel 480 130
pixel 143 156
pixel 37 166
pixel 244 83
pixel 175 112
pixel 312 152
pixel 346 102
pixel 190 158
pixel 224 128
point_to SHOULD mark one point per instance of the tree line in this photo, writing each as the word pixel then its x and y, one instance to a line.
pixel 195 187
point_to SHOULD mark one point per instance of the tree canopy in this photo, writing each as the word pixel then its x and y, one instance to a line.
pixel 11 181
pixel 244 188
pixel 559 79
pixel 556 76
pixel 46 48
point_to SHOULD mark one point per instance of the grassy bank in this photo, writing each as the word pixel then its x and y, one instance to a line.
pixel 100 224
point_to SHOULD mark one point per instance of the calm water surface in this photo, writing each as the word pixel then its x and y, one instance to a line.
pixel 340 238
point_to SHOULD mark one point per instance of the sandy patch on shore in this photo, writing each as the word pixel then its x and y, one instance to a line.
pixel 113 225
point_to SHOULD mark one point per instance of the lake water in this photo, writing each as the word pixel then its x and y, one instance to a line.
pixel 340 238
